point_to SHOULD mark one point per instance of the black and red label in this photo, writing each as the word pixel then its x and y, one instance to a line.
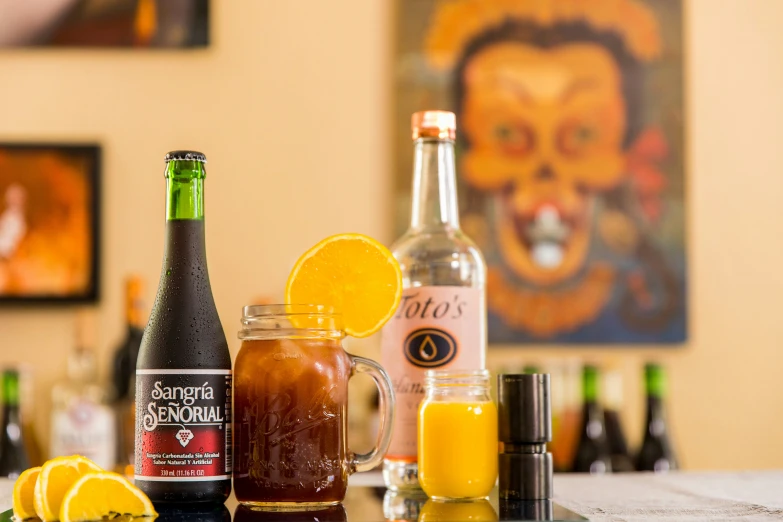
pixel 183 425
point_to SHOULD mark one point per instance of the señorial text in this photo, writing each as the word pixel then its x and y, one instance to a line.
pixel 184 413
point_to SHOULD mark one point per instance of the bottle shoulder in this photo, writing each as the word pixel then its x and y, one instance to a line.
pixel 439 256
pixel 436 239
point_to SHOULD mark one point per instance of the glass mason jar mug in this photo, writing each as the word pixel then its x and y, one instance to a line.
pixel 290 408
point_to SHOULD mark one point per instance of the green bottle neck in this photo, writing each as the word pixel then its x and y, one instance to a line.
pixel 185 189
pixel 10 389
pixel 590 384
pixel 655 381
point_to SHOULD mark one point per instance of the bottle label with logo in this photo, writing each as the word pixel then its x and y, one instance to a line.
pixel 185 428
pixel 85 428
pixel 435 327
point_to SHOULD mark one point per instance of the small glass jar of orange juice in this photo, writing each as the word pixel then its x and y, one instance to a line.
pixel 457 435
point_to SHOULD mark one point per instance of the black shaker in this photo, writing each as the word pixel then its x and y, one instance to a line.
pixel 524 428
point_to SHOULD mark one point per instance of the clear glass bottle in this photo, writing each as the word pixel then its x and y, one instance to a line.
pixel 82 421
pixel 441 322
pixel 457 436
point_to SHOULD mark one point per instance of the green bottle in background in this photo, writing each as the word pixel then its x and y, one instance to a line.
pixel 14 457
pixel 592 453
pixel 656 453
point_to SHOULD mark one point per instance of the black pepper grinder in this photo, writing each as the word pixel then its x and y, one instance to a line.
pixel 524 427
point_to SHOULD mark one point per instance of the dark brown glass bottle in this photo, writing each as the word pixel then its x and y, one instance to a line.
pixel 656 453
pixel 592 453
pixel 13 453
pixel 124 363
pixel 183 373
pixel 612 399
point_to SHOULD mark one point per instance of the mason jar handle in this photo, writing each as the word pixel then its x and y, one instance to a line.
pixel 368 461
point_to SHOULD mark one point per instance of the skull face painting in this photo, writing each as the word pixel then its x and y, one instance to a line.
pixel 566 166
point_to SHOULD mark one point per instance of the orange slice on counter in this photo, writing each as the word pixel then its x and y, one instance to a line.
pixel 55 479
pixel 24 490
pixel 355 275
pixel 104 494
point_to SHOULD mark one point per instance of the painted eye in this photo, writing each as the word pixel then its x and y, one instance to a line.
pixel 575 138
pixel 515 139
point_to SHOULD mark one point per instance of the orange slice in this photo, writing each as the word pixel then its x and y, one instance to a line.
pixel 56 478
pixel 104 494
pixel 355 275
pixel 24 489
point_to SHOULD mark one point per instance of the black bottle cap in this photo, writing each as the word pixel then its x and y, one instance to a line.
pixel 524 409
pixel 187 155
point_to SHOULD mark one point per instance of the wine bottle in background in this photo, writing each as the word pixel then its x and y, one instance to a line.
pixel 124 374
pixel 125 355
pixel 441 321
pixel 26 409
pixel 184 353
pixel 82 421
pixel 656 452
pixel 592 452
pixel 566 383
pixel 14 456
pixel 615 435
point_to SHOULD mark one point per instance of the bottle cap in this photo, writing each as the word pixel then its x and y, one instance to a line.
pixel 434 124
pixel 187 155
pixel 524 409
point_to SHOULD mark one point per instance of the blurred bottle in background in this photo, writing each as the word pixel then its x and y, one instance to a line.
pixel 126 353
pixel 566 382
pixel 124 373
pixel 656 453
pixel 13 452
pixel 615 435
pixel 82 422
pixel 592 453
pixel 26 409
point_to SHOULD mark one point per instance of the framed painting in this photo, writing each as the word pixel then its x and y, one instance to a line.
pixel 570 144
pixel 49 222
pixel 135 24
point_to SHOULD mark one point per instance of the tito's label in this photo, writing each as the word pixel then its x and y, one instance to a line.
pixel 435 327
pixel 183 425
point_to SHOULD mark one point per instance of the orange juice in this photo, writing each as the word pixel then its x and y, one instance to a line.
pixel 458 448
pixel 476 511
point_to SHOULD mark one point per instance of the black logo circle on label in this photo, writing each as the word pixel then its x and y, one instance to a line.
pixel 430 347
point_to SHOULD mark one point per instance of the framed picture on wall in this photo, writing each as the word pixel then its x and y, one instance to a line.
pixel 49 222
pixel 570 151
pixel 136 24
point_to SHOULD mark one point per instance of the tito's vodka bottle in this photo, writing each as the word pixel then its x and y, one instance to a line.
pixel 441 321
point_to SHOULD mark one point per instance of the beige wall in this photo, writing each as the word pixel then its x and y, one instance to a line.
pixel 291 105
